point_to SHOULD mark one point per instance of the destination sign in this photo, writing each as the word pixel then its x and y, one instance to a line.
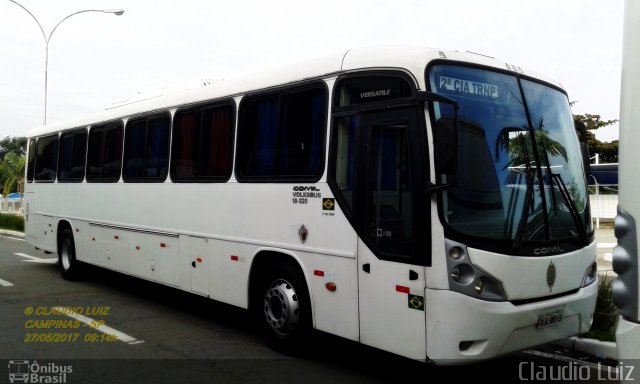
pixel 468 87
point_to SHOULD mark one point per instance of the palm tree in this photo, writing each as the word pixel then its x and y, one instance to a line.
pixel 518 140
pixel 11 172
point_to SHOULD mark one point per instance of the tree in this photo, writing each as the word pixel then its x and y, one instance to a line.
pixel 17 145
pixel 608 151
pixel 518 143
pixel 11 172
pixel 12 160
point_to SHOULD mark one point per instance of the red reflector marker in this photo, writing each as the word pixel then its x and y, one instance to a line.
pixel 318 273
pixel 163 245
pixel 234 258
pixel 116 237
pixel 402 289
pixel 137 247
pixel 331 287
pixel 199 260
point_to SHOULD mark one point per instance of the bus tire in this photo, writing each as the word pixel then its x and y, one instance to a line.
pixel 69 266
pixel 284 308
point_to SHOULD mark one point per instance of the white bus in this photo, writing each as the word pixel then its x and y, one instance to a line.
pixel 625 254
pixel 425 202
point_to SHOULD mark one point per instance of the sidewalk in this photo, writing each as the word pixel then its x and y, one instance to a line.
pixel 7 232
pixel 606 241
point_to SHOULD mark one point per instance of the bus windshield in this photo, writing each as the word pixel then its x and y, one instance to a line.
pixel 519 176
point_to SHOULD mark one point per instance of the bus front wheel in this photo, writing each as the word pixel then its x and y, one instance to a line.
pixel 67 256
pixel 285 308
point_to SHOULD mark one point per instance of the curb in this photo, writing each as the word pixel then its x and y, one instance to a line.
pixel 7 232
pixel 600 349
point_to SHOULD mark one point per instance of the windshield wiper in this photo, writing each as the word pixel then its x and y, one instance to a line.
pixel 528 194
pixel 566 196
pixel 564 192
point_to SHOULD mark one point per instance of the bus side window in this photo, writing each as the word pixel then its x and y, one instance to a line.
pixel 345 165
pixel 203 144
pixel 104 156
pixel 73 150
pixel 46 158
pixel 281 136
pixel 146 152
pixel 31 163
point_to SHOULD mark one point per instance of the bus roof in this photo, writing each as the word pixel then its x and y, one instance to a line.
pixel 412 59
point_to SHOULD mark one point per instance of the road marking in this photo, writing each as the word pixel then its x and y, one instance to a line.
pixel 5 283
pixel 43 261
pixel 607 245
pixel 100 327
pixel 27 256
pixel 12 238
pixel 33 259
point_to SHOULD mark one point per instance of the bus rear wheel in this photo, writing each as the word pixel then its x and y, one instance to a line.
pixel 285 310
pixel 69 267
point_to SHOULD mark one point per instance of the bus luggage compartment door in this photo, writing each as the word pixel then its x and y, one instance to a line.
pixel 199 265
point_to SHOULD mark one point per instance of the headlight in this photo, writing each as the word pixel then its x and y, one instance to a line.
pixel 462 274
pixel 467 279
pixel 590 275
pixel 479 286
pixel 456 253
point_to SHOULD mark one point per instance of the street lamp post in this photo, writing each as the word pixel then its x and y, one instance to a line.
pixel 47 39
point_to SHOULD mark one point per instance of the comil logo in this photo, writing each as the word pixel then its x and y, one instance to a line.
pixel 24 371
pixel 547 250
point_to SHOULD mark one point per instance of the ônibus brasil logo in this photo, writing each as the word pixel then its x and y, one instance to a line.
pixel 24 371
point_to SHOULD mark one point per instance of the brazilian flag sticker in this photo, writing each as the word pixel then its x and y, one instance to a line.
pixel 328 204
pixel 416 302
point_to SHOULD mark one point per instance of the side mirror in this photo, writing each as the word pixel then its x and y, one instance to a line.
pixel 446 146
pixel 583 138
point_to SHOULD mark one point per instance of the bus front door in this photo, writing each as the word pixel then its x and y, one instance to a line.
pixel 391 218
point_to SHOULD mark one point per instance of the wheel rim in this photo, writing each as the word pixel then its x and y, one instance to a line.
pixel 281 307
pixel 65 254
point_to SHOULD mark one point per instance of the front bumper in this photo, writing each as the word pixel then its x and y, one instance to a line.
pixel 461 329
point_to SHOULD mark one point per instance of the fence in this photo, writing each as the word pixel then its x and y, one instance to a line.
pixel 11 206
pixel 603 207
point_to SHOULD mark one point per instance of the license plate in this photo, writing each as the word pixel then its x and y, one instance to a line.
pixel 549 318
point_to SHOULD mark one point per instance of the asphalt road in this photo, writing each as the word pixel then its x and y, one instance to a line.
pixel 168 336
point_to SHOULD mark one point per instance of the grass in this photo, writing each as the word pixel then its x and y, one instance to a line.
pixel 606 314
pixel 11 222
pixel 601 335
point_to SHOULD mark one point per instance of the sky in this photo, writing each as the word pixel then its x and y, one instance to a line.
pixel 98 59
